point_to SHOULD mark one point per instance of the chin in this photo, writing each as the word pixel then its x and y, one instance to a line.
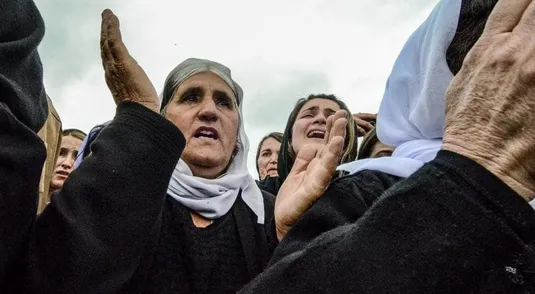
pixel 205 159
pixel 56 184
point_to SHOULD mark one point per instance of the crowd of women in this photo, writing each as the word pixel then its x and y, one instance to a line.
pixel 160 200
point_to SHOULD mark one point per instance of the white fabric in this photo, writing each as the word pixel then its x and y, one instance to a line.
pixel 213 198
pixel 412 114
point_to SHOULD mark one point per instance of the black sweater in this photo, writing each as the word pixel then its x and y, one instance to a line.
pixel 210 260
pixel 23 111
pixel 452 227
pixel 105 231
pixel 346 200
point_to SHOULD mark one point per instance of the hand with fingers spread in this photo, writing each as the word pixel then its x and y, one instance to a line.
pixel 311 174
pixel 363 122
pixel 490 104
pixel 125 78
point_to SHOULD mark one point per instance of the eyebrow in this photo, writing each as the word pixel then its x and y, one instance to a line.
pixel 330 110
pixel 223 94
pixel 193 90
pixel 312 108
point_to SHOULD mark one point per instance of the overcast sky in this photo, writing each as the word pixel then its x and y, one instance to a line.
pixel 277 50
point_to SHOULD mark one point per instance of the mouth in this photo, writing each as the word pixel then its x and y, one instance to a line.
pixel 62 173
pixel 316 134
pixel 206 132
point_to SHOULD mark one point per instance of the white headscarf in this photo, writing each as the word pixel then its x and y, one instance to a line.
pixel 412 112
pixel 213 198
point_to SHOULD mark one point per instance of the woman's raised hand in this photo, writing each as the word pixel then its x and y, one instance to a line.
pixel 311 174
pixel 126 80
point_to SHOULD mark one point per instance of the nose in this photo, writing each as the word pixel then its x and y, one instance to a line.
pixel 68 163
pixel 273 159
pixel 208 112
pixel 320 119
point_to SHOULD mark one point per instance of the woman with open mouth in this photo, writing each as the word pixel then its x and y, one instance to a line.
pixel 307 125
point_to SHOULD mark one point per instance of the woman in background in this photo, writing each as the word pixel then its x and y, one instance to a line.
pixel 70 144
pixel 371 147
pixel 267 155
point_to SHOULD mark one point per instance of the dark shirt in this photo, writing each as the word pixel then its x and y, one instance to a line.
pixel 452 227
pixel 188 259
pixel 346 200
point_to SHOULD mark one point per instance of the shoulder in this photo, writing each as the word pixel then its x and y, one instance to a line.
pixel 366 185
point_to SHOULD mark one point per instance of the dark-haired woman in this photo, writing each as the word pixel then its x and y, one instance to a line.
pixel 306 125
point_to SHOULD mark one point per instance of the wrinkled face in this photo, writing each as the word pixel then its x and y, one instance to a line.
pixel 65 163
pixel 381 150
pixel 311 122
pixel 205 110
pixel 267 160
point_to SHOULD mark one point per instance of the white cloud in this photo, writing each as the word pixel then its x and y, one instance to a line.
pixel 278 51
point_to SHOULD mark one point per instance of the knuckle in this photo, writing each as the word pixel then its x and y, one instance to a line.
pixel 503 58
pixel 526 72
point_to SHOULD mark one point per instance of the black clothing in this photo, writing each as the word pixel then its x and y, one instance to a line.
pixel 23 110
pixel 452 227
pixel 105 231
pixel 22 155
pixel 21 72
pixel 208 260
pixel 270 184
pixel 346 200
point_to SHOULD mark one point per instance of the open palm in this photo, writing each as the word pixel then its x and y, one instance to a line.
pixel 126 80
pixel 310 176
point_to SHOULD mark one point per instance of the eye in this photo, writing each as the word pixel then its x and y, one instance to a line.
pixel 266 154
pixel 63 152
pixel 190 98
pixel 383 154
pixel 225 102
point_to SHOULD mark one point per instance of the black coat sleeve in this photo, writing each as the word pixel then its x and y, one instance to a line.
pixel 22 154
pixel 23 111
pixel 91 237
pixel 344 202
pixel 21 72
pixel 452 227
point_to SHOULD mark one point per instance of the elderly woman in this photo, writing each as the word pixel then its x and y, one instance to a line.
pixel 267 155
pixel 307 125
pixel 163 205
pixel 459 222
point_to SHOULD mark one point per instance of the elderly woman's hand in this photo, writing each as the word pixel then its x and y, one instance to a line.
pixel 490 105
pixel 125 78
pixel 310 176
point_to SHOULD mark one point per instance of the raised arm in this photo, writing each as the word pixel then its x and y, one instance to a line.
pixel 92 236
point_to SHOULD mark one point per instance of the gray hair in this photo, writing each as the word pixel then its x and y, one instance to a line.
pixel 193 66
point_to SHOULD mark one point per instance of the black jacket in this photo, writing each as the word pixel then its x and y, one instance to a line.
pixel 23 110
pixel 452 227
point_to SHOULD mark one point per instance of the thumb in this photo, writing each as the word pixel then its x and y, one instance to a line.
pixel 304 157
